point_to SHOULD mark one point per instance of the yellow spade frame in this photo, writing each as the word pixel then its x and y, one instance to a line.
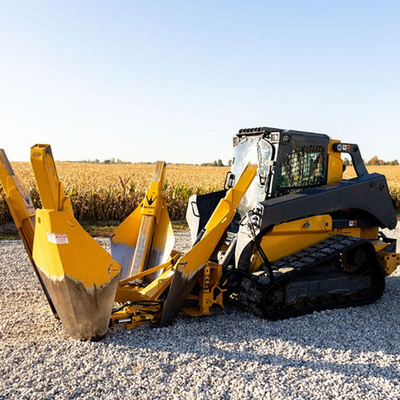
pixel 81 279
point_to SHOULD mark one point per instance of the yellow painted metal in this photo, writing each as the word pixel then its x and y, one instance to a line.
pixel 19 202
pixel 199 254
pixel 379 245
pixel 310 225
pixel 51 190
pixel 61 244
pixel 23 213
pixel 291 237
pixel 153 199
pixel 335 164
pixel 370 233
pixel 210 276
pixel 365 233
pixel 127 232
pixel 350 231
pixel 63 248
pixel 152 291
pixel 189 265
pixel 210 293
pixel 163 238
pixel 139 308
pixel 142 274
pixel 128 291
pixel 80 276
pixel 137 314
pixel 150 213
pixel 389 261
pixel 145 238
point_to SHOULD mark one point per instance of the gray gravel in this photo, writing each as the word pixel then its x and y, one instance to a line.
pixel 340 354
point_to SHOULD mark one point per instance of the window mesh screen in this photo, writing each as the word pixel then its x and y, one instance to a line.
pixel 301 169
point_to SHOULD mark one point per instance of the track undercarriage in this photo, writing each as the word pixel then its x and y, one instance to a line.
pixel 339 272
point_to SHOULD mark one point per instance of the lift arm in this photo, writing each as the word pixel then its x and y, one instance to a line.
pixel 190 265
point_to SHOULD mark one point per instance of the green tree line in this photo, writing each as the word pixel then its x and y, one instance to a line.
pixel 375 160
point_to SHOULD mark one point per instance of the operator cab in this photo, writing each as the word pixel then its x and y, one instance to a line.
pixel 288 161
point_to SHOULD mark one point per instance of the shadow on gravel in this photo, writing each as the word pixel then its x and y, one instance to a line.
pixel 361 341
pixel 335 340
pixel 219 357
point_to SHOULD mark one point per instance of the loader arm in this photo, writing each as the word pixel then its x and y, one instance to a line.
pixel 190 265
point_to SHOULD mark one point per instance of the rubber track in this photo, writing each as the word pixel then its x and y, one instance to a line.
pixel 254 288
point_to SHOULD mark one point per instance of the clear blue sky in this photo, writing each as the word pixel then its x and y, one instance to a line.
pixel 174 80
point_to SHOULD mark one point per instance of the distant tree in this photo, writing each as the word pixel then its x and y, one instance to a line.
pixel 229 162
pixel 108 161
pixel 215 163
pixel 375 161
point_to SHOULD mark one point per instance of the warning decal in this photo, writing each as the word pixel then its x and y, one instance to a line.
pixel 57 238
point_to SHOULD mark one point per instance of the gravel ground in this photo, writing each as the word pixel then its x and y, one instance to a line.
pixel 338 354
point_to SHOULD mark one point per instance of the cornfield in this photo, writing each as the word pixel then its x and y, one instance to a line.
pixel 112 192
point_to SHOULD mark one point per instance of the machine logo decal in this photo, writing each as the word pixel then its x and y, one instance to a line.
pixel 27 199
pixel 25 195
pixel 151 200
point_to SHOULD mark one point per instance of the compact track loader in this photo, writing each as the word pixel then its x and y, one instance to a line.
pixel 286 236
